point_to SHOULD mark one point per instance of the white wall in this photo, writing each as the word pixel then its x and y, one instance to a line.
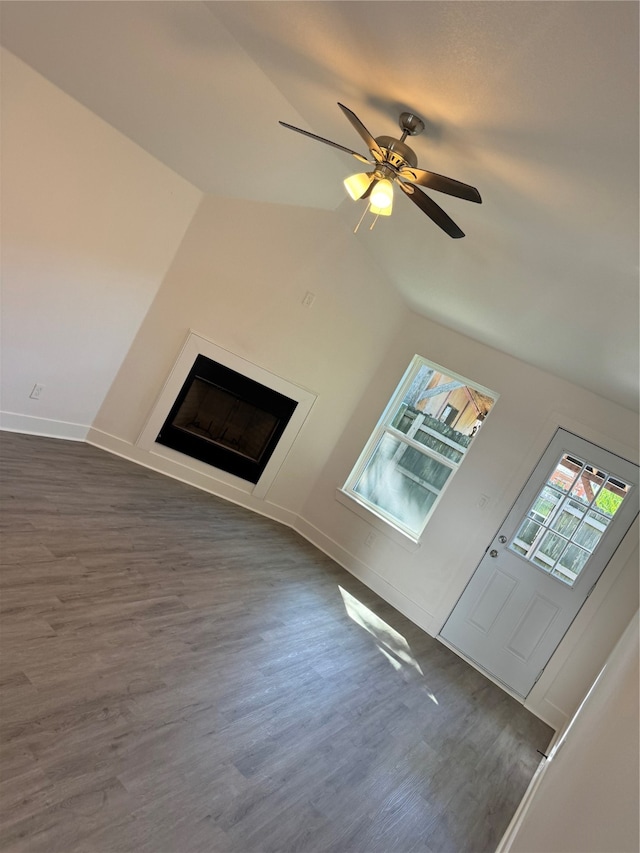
pixel 425 582
pixel 239 279
pixel 90 223
pixel 586 798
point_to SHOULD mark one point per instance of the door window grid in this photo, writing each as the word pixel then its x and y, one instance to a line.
pixel 568 518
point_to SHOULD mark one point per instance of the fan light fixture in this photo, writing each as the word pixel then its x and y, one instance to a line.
pixel 380 211
pixel 357 185
pixel 382 197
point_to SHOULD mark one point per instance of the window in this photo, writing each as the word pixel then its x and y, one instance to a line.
pixel 418 445
pixel 569 517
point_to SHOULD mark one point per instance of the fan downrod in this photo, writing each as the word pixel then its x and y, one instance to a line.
pixel 410 124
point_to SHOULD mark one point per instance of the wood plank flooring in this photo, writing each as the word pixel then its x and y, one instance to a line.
pixel 179 675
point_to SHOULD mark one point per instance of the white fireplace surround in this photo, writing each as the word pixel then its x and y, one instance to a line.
pixel 194 346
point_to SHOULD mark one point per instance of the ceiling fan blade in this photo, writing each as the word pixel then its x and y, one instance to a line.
pixel 370 142
pixel 440 183
pixel 327 142
pixel 433 211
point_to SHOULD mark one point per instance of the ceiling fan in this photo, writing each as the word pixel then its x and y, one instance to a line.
pixel 395 163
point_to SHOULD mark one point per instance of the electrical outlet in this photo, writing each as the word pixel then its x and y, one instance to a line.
pixel 308 299
pixel 36 391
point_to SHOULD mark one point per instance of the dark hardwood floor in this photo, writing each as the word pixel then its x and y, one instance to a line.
pixel 180 675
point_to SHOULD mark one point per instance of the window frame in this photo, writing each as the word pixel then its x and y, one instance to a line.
pixel 384 427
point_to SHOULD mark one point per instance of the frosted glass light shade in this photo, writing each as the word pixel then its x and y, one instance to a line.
pixel 382 196
pixel 357 185
pixel 380 211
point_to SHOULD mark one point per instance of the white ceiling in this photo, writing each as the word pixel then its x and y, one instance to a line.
pixel 535 103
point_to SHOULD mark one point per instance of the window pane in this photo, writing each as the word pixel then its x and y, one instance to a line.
pixel 546 502
pixel 571 564
pixel 590 531
pixel 565 473
pixel 448 404
pixel 549 550
pixel 609 499
pixel 389 482
pixel 568 518
pixel 588 485
pixel 525 537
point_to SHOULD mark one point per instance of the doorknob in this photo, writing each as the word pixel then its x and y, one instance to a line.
pixel 502 539
pixel 493 553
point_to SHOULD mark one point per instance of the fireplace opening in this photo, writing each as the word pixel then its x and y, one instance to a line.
pixel 226 419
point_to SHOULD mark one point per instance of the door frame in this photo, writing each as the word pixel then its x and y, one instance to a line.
pixel 574 648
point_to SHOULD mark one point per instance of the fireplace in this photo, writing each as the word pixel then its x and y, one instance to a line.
pixel 223 422
pixel 226 419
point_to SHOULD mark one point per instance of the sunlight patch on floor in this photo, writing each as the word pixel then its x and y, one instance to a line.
pixel 392 644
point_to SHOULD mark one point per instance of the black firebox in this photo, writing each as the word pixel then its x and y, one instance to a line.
pixel 227 420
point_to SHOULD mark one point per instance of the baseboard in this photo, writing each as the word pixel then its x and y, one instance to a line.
pixel 523 807
pixel 550 713
pixel 14 422
pixel 162 465
pixel 416 614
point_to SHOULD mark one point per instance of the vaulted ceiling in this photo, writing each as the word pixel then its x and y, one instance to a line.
pixel 535 103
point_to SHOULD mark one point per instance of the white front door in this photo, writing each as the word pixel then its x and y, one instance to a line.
pixel 570 517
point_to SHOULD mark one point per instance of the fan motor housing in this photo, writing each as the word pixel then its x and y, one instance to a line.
pixel 397 154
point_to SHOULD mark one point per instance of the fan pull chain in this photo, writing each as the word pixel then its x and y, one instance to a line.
pixel 374 221
pixel 361 218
